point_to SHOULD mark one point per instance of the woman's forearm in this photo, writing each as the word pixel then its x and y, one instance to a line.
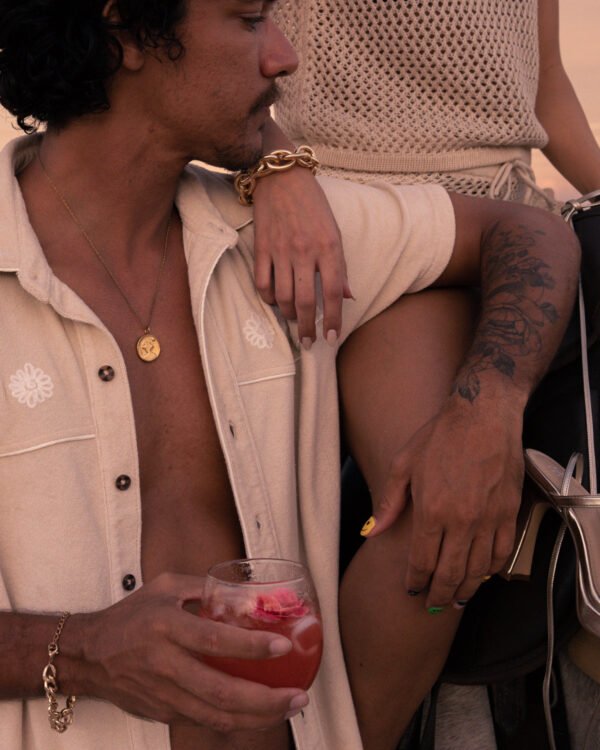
pixel 571 148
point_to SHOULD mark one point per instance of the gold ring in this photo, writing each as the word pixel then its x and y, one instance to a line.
pixel 486 578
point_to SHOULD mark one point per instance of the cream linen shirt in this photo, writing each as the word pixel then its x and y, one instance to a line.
pixel 71 521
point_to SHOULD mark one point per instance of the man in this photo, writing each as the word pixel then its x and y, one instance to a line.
pixel 125 475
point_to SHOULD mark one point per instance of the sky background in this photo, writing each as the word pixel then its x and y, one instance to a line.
pixel 580 29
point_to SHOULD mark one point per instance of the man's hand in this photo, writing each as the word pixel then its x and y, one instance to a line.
pixel 144 655
pixel 464 468
pixel 463 520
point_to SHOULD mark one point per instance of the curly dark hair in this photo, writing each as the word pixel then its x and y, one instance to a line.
pixel 56 56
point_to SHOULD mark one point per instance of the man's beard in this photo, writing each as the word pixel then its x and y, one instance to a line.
pixel 241 156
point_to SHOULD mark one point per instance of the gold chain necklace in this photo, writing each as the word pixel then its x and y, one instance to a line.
pixel 147 346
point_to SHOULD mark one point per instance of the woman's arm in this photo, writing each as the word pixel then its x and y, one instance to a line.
pixel 296 235
pixel 571 148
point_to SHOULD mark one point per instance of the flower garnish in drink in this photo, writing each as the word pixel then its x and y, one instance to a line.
pixel 288 608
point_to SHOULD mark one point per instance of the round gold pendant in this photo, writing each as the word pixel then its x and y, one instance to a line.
pixel 148 347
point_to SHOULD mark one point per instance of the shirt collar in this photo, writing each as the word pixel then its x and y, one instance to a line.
pixel 206 202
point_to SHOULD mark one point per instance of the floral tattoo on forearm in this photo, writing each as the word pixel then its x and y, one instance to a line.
pixel 515 307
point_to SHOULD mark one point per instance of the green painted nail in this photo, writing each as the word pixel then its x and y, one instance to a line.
pixel 435 610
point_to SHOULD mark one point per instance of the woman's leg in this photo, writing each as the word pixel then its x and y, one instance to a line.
pixel 395 373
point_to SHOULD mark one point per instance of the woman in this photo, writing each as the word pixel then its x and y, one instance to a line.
pixel 436 91
pixel 444 91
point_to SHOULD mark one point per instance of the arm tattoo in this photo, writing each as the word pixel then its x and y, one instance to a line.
pixel 514 308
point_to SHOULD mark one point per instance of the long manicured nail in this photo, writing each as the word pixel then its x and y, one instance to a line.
pixel 435 610
pixel 331 337
pixel 368 527
pixel 460 603
pixel 307 343
pixel 280 646
pixel 413 592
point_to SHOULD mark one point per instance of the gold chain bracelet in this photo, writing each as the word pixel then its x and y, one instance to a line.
pixel 277 161
pixel 60 720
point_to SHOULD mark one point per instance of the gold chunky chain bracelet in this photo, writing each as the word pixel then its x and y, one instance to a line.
pixel 60 720
pixel 277 161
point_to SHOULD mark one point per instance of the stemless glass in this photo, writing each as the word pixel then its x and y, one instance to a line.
pixel 267 594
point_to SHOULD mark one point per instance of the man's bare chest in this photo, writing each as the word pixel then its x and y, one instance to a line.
pixel 189 519
pixel 188 514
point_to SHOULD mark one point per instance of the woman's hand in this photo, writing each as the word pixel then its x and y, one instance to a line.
pixel 296 237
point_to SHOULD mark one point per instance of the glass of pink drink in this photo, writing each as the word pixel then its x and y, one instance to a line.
pixel 274 595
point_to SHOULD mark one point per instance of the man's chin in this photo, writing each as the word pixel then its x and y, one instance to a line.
pixel 235 158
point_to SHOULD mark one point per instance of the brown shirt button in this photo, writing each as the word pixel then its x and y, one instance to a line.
pixel 123 482
pixel 106 373
pixel 128 582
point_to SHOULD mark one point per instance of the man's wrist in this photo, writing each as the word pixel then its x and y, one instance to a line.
pixel 494 393
pixel 73 663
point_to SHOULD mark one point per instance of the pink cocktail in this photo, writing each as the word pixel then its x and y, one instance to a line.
pixel 273 595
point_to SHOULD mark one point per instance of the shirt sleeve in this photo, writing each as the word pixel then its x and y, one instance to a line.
pixel 397 240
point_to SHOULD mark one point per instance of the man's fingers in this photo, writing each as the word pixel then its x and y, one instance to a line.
pixel 180 586
pixel 422 558
pixel 198 693
pixel 450 570
pixel 478 567
pixel 203 636
pixel 220 697
pixel 391 504
pixel 503 545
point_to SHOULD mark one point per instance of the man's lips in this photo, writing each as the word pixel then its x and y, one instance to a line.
pixel 266 100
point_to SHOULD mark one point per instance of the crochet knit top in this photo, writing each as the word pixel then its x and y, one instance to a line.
pixel 412 86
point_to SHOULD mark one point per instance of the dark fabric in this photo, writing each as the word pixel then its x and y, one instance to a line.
pixel 355 509
pixel 412 737
pixel 518 713
pixel 587 227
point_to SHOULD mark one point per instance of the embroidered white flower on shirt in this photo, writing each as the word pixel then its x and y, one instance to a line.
pixel 31 385
pixel 259 332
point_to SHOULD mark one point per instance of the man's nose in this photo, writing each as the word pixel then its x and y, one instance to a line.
pixel 279 58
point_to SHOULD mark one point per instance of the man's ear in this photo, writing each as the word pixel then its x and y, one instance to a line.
pixel 133 54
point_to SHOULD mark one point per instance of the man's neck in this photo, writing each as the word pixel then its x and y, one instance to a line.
pixel 118 181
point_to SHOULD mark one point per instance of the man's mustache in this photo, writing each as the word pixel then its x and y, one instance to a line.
pixel 268 98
